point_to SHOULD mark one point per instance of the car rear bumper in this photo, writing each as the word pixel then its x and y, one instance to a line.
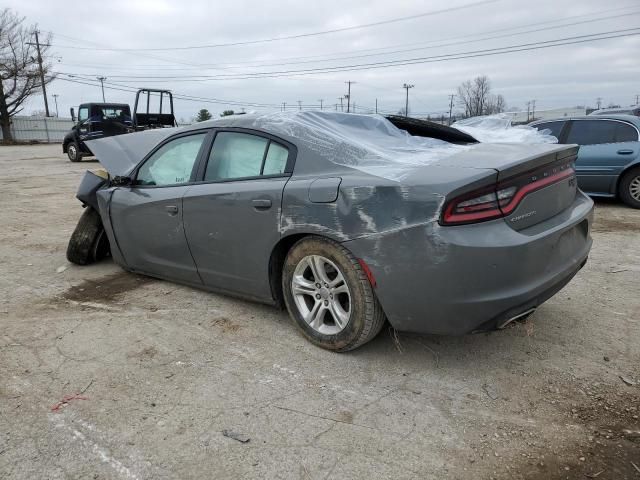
pixel 462 279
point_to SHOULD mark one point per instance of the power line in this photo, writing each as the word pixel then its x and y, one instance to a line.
pixel 301 35
pixel 401 62
pixel 332 55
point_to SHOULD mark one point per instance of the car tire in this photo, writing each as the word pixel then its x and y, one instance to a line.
pixel 73 152
pixel 89 242
pixel 352 318
pixel 630 188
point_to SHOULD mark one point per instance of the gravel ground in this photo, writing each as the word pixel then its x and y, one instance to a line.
pixel 104 374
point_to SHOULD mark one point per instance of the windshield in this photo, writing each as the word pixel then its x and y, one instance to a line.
pixel 116 112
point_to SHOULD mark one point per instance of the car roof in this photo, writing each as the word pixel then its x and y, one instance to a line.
pixel 613 116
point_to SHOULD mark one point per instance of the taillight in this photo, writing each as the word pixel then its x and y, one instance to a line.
pixel 483 205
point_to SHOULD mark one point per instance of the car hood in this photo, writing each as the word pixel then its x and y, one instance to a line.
pixel 120 154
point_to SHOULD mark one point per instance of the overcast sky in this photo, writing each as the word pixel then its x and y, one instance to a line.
pixel 562 76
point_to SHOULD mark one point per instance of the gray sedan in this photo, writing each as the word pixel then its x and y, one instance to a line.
pixel 346 220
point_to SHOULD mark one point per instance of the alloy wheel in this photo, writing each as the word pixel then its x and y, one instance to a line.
pixel 634 188
pixel 321 294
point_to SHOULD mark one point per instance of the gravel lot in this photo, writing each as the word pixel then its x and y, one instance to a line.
pixel 105 374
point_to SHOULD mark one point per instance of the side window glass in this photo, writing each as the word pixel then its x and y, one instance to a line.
pixel 625 133
pixel 276 160
pixel 173 163
pixel 554 127
pixel 235 155
pixel 83 114
pixel 592 132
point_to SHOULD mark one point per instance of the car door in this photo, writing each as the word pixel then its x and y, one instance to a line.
pixel 606 147
pixel 232 215
pixel 147 217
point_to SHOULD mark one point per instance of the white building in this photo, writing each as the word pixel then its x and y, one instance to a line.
pixel 521 117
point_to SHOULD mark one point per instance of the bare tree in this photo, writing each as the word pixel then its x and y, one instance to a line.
pixel 476 97
pixel 19 70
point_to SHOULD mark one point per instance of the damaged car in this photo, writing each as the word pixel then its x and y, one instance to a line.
pixel 346 220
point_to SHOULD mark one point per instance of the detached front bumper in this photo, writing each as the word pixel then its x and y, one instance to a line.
pixel 462 279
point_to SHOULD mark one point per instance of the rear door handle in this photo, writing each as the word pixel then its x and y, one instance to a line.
pixel 625 152
pixel 261 203
pixel 171 210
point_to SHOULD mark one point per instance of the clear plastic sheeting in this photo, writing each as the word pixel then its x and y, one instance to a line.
pixel 498 129
pixel 369 143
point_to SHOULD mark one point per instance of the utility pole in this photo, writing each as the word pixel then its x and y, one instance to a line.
pixel 376 105
pixel 321 100
pixel 102 79
pixel 55 99
pixel 406 103
pixel 533 110
pixel 39 59
pixel 451 97
pixel 528 110
pixel 341 104
pixel 637 98
pixel 348 95
pixel 599 102
pixel 299 104
pixel 284 106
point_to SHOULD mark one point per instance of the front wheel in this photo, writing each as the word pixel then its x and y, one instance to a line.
pixel 328 295
pixel 630 188
pixel 73 152
pixel 88 242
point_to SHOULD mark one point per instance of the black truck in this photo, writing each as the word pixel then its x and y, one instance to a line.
pixel 98 120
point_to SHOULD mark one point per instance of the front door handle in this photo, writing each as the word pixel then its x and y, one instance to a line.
pixel 261 203
pixel 171 210
pixel 625 152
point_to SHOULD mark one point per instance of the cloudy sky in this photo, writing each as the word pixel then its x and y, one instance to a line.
pixel 113 39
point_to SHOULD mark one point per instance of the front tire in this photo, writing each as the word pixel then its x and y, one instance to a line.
pixel 73 152
pixel 630 188
pixel 89 242
pixel 328 295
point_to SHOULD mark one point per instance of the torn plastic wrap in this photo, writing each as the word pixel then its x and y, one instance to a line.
pixel 498 129
pixel 369 143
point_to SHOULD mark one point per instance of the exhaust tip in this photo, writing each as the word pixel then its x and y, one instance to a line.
pixel 513 319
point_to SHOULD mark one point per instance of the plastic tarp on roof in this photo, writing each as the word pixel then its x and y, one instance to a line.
pixel 369 143
pixel 498 129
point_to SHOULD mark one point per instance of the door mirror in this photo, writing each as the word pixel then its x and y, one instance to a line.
pixel 121 181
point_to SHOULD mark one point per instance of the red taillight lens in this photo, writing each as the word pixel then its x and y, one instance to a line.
pixel 478 208
pixel 486 205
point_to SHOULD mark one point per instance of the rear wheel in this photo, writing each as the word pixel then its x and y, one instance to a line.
pixel 630 188
pixel 89 242
pixel 329 296
pixel 73 152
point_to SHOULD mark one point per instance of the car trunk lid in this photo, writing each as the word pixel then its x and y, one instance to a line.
pixel 533 183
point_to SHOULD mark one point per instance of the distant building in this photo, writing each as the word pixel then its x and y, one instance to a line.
pixel 521 117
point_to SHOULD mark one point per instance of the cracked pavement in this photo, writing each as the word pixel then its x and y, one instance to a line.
pixel 147 374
